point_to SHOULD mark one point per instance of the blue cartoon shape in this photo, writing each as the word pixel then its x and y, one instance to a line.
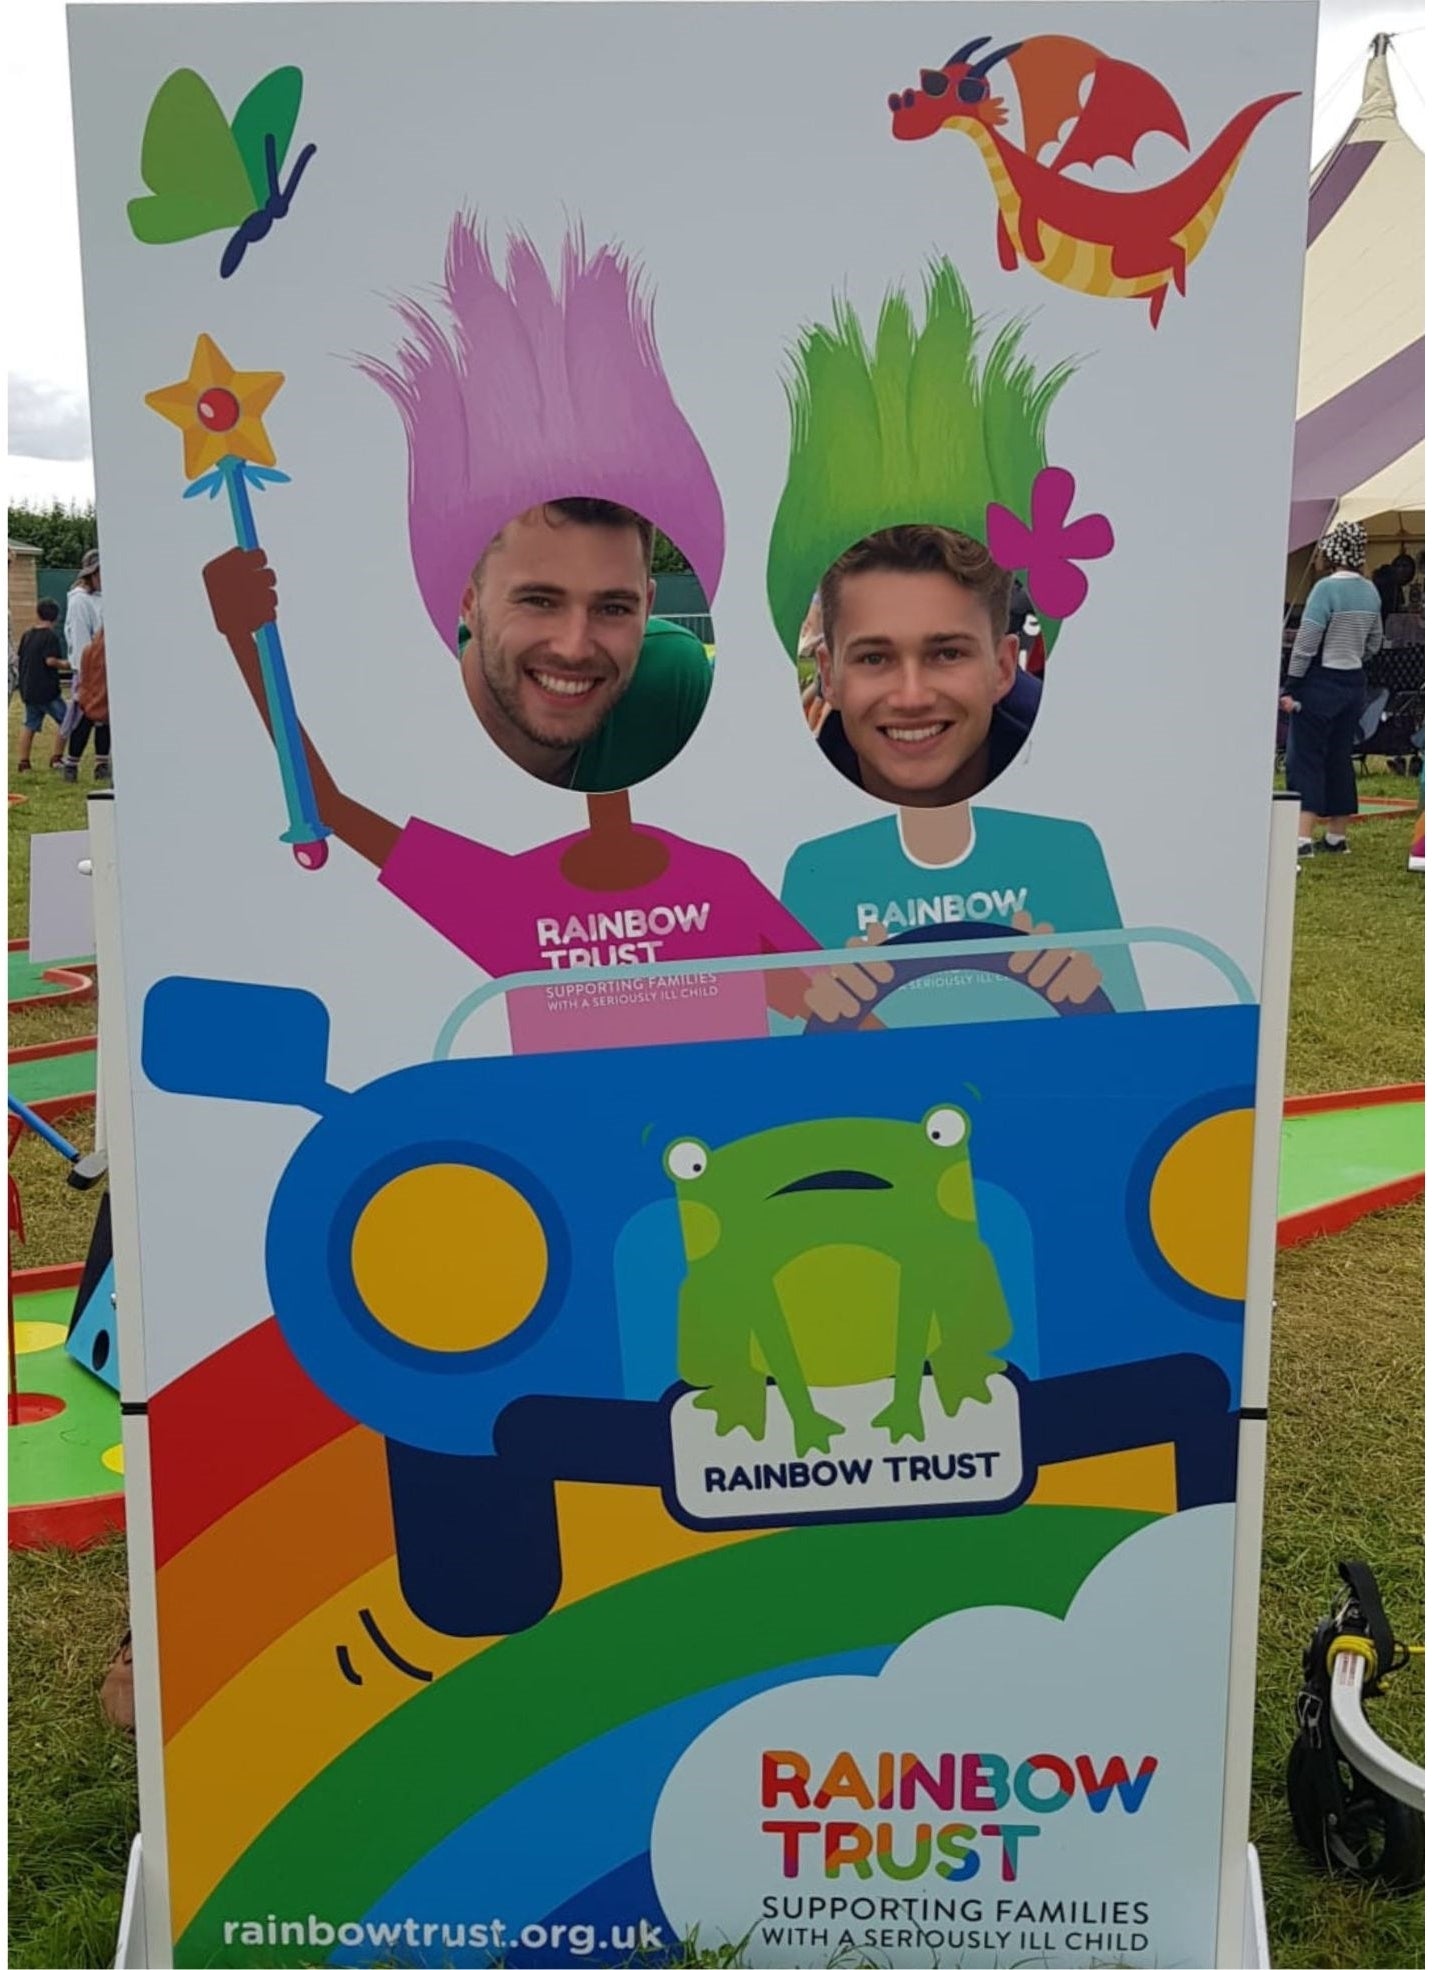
pixel 480 1259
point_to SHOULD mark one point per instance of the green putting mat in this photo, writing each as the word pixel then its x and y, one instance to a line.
pixel 60 1457
pixel 27 980
pixel 55 1074
pixel 1335 1152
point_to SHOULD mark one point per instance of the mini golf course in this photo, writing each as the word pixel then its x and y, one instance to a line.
pixel 1347 1154
pixel 1375 807
pixel 1343 1155
pixel 35 985
pixel 42 1076
pixel 66 1463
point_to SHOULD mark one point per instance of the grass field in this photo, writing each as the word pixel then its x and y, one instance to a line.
pixel 1345 1471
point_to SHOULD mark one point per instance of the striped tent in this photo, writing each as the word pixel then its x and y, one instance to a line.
pixel 1359 452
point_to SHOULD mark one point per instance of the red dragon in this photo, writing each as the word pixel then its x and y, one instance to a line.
pixel 1124 244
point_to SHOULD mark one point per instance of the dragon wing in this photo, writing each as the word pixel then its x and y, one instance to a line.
pixel 1124 102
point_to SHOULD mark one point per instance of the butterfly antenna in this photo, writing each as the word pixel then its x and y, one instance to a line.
pixel 300 166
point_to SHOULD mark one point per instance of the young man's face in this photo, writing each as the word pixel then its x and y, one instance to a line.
pixel 557 613
pixel 915 673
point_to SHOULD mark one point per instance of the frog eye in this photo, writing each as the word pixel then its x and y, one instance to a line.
pixel 685 1160
pixel 946 1127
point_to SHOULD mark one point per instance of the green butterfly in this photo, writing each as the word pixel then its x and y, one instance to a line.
pixel 207 175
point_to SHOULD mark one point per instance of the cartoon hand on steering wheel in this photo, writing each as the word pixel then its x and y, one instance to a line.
pixel 848 994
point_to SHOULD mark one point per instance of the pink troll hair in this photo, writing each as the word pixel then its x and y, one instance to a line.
pixel 538 392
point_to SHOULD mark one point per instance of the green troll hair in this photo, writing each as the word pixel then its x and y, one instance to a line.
pixel 925 429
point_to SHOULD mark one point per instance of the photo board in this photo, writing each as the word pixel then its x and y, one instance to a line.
pixel 691 1264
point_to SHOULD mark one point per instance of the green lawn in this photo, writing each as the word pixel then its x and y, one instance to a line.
pixel 1357 973
pixel 1345 1471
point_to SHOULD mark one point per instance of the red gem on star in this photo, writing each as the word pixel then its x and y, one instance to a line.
pixel 218 410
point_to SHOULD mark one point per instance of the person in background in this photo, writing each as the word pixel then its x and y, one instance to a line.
pixel 84 618
pixel 1024 623
pixel 92 697
pixel 1326 687
pixel 813 700
pixel 39 661
pixel 1389 589
pixel 1391 579
pixel 1417 588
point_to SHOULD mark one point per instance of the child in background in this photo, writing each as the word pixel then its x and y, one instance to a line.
pixel 39 661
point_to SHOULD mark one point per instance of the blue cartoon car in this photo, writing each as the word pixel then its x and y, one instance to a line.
pixel 482 1259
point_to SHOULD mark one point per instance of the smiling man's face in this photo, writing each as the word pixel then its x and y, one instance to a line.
pixel 916 672
pixel 557 611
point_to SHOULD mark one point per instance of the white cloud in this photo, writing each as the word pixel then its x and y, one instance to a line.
pixel 39 481
pixel 47 420
pixel 1138 1666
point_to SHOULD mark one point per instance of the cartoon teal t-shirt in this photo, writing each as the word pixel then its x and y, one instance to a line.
pixel 839 886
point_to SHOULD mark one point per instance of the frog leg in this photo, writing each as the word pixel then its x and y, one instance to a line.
pixel 971 1330
pixel 714 1353
pixel 768 1322
pixel 913 1327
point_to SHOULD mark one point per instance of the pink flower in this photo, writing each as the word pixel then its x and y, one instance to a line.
pixel 1047 549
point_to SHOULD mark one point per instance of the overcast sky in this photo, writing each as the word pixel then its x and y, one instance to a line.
pixel 49 446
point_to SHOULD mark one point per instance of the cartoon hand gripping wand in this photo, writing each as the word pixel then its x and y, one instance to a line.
pixel 220 411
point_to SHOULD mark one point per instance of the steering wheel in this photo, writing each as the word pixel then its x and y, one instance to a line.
pixel 948 933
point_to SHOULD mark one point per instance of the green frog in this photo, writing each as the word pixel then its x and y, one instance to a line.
pixel 833 1253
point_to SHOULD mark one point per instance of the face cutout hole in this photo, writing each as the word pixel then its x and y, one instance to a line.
pixel 586 644
pixel 910 667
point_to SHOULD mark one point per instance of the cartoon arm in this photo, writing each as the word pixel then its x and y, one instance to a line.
pixel 840 992
pixel 243 596
pixel 1059 975
pixel 1083 871
pixel 787 992
pixel 830 994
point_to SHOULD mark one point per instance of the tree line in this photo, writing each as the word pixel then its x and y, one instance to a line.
pixel 63 534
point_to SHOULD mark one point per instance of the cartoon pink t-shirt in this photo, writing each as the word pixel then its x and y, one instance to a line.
pixel 514 913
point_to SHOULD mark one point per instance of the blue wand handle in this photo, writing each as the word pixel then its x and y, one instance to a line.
pixel 306 833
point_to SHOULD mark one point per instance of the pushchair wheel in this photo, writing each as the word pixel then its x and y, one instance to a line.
pixel 1365 1835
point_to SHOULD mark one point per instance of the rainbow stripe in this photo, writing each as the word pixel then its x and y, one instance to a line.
pixel 289 1784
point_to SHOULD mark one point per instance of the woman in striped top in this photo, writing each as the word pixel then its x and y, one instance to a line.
pixel 1327 687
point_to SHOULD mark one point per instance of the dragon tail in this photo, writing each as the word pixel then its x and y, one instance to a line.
pixel 1217 164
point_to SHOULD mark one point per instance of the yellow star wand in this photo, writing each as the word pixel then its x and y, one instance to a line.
pixel 220 411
